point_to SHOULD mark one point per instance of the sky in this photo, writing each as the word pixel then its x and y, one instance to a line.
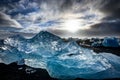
pixel 66 18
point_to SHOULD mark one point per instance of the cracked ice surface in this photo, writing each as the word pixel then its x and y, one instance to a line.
pixel 64 60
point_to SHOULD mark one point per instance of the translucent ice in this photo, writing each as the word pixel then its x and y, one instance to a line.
pixel 63 60
pixel 110 42
pixel 74 66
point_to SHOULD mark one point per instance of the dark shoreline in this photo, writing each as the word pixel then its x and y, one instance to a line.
pixel 18 72
pixel 101 49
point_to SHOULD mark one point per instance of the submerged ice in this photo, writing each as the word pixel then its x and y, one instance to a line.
pixel 63 60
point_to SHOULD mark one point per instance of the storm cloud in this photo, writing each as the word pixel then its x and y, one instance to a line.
pixel 102 16
pixel 6 21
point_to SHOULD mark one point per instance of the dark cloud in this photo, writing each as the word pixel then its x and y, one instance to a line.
pixel 28 12
pixel 111 8
pixel 67 4
pixel 8 1
pixel 61 33
pixel 7 22
pixel 103 29
pixel 5 34
pixel 110 23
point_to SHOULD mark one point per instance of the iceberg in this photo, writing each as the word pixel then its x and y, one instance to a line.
pixel 110 42
pixel 106 42
pixel 9 54
pixel 62 60
pixel 68 67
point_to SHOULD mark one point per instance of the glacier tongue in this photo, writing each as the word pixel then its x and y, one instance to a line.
pixel 64 60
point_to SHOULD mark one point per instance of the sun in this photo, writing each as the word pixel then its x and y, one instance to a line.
pixel 73 25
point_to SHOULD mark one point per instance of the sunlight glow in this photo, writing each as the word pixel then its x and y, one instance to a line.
pixel 73 25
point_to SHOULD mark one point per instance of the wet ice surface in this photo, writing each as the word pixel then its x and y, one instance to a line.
pixel 63 60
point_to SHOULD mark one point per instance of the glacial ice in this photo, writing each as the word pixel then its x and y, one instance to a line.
pixel 63 60
pixel 110 42
pixel 107 42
